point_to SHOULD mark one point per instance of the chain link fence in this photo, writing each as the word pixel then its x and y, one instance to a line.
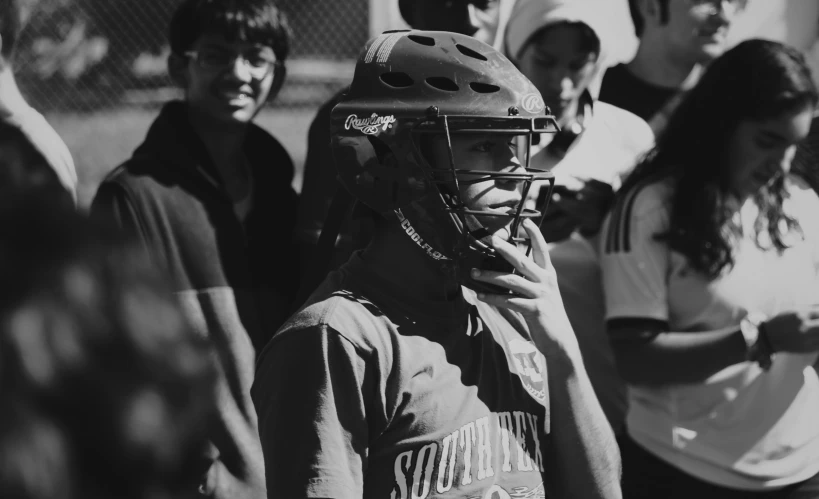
pixel 88 55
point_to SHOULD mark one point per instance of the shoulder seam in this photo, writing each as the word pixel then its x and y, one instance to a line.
pixel 128 197
pixel 324 326
pixel 618 235
pixel 322 321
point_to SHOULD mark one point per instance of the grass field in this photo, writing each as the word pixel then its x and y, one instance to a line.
pixel 100 141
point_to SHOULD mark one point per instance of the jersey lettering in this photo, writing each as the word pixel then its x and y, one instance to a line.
pixel 468 451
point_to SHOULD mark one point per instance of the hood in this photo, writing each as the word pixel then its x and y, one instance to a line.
pixel 529 16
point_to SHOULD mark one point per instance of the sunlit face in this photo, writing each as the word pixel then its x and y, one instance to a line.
pixel 488 152
pixel 235 92
pixel 559 65
pixel 697 30
pixel 758 150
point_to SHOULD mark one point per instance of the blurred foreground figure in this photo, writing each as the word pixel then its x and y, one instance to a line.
pixel 105 392
pixel 24 168
pixel 16 112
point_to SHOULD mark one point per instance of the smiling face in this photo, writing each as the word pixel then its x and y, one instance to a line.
pixel 560 61
pixel 491 153
pixel 233 92
pixel 758 150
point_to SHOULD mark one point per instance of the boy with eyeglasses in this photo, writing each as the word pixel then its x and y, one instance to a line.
pixel 677 40
pixel 210 194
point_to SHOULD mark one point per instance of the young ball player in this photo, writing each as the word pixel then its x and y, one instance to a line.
pixel 438 361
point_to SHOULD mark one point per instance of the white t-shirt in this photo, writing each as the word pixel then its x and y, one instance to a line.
pixel 742 428
pixel 607 150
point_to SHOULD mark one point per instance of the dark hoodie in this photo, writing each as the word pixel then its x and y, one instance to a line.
pixel 235 280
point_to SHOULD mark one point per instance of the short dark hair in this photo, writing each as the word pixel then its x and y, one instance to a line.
pixel 11 21
pixel 256 21
pixel 104 386
pixel 637 16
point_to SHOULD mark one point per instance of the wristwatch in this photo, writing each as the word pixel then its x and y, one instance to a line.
pixel 759 348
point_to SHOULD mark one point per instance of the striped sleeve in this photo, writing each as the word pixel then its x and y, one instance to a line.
pixel 634 264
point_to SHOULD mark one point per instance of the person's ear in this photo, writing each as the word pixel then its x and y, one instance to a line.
pixel 178 69
pixel 650 9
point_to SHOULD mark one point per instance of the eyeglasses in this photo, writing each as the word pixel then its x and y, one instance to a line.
pixel 258 63
pixel 713 7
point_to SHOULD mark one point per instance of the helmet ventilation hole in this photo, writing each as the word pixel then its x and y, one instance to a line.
pixel 484 88
pixel 397 79
pixel 470 53
pixel 442 83
pixel 422 40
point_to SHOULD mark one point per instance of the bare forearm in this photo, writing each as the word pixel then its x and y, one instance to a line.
pixel 680 358
pixel 587 459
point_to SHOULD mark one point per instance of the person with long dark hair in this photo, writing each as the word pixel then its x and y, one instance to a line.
pixel 710 262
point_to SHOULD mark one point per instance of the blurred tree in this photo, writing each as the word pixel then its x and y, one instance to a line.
pixel 83 54
pixel 132 28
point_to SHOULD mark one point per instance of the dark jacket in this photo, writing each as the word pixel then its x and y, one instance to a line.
pixel 235 281
pixel 319 187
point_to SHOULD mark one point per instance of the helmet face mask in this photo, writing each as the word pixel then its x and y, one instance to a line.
pixel 411 85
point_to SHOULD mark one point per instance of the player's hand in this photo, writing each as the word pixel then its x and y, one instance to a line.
pixel 536 294
pixel 794 331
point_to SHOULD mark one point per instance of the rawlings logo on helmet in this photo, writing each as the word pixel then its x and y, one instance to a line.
pixel 532 103
pixel 369 126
